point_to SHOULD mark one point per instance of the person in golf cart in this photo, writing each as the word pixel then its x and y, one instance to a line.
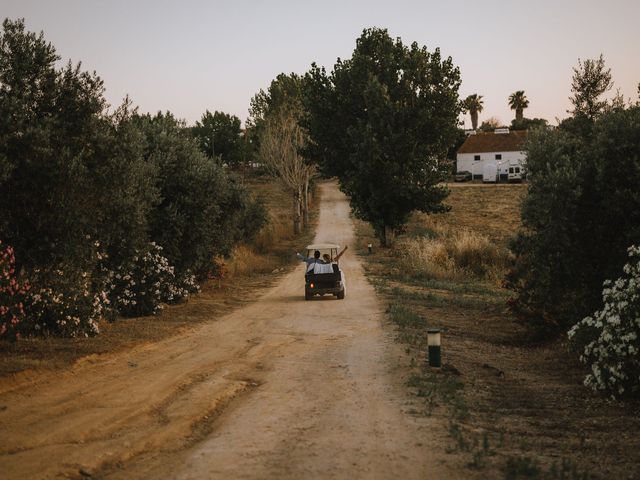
pixel 327 258
pixel 314 260
pixel 323 275
pixel 311 261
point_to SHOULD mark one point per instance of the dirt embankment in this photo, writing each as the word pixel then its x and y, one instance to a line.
pixel 279 388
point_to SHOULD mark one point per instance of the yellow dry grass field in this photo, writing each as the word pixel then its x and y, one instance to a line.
pixel 517 409
pixel 249 267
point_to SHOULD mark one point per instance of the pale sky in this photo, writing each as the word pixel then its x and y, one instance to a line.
pixel 188 56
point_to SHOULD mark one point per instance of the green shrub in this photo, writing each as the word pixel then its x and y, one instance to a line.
pixel 202 211
pixel 71 175
pixel 581 212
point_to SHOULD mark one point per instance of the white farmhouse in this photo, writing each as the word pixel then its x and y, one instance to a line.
pixel 481 152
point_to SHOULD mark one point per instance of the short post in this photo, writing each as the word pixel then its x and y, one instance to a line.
pixel 370 248
pixel 433 344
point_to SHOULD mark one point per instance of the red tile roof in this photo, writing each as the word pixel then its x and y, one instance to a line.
pixel 494 142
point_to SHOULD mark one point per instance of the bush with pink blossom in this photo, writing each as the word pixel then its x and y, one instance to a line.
pixel 12 294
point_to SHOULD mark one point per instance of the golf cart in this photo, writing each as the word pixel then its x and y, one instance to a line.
pixel 324 278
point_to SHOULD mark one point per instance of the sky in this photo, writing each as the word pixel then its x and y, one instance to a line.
pixel 189 56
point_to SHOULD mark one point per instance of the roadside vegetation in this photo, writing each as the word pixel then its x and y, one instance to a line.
pixel 516 407
pixel 580 220
pixel 249 268
pixel 379 122
pixel 108 213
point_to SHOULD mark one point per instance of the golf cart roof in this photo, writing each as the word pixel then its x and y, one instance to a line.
pixel 322 246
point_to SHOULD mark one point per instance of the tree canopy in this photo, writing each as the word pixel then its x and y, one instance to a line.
pixel 219 136
pixel 518 101
pixel 591 79
pixel 85 192
pixel 581 213
pixel 381 122
pixel 474 105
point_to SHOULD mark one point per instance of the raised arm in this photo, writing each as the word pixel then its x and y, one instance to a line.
pixel 340 254
pixel 300 257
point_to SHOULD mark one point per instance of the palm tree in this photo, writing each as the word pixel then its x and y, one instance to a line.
pixel 473 103
pixel 518 102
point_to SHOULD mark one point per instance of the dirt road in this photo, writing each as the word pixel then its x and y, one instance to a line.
pixel 281 388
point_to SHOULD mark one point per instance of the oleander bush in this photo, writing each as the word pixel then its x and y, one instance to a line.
pixel 63 303
pixel 12 295
pixel 609 339
pixel 140 286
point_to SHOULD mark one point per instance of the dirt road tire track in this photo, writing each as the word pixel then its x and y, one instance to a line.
pixel 281 388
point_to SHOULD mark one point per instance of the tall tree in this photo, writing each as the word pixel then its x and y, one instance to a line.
pixel 219 136
pixel 518 101
pixel 473 104
pixel 281 141
pixel 591 79
pixel 382 122
pixel 277 108
pixel 73 172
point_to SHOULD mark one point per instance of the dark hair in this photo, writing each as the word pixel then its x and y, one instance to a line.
pixel 316 254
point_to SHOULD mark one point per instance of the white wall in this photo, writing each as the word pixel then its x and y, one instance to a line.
pixel 465 161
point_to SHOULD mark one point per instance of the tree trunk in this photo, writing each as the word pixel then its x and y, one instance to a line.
pixel 519 114
pixel 474 120
pixel 296 212
pixel 305 204
pixel 387 236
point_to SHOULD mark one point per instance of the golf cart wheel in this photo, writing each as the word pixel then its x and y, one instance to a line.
pixel 340 295
pixel 307 296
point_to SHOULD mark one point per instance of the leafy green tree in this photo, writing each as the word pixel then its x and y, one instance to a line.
pixel 473 104
pixel 591 79
pixel 74 174
pixel 581 214
pixel 518 101
pixel 220 136
pixel 202 211
pixel 452 152
pixel 382 123
pixel 528 123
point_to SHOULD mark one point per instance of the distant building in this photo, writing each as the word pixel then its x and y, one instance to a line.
pixel 501 148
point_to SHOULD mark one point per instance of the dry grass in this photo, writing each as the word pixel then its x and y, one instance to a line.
pixel 515 407
pixel 490 210
pixel 244 260
pixel 453 256
pixel 271 234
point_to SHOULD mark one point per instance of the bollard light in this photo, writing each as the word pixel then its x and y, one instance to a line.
pixel 370 247
pixel 433 344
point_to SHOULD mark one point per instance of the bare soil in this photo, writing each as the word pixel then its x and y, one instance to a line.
pixel 281 387
pixel 518 409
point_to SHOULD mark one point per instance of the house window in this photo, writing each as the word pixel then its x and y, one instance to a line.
pixel 476 157
pixel 498 156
